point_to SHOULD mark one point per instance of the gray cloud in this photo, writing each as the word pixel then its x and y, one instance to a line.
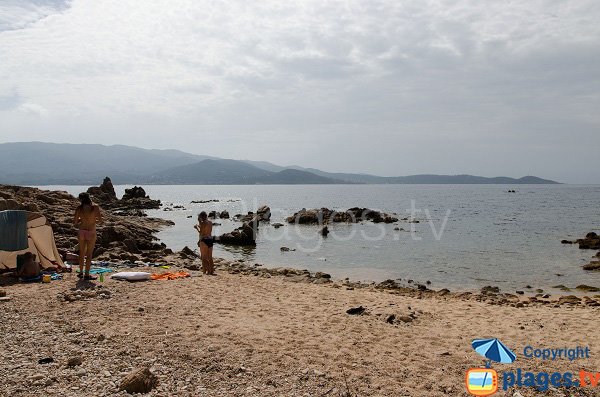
pixel 380 86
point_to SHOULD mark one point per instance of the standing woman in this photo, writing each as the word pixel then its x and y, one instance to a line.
pixel 204 228
pixel 86 216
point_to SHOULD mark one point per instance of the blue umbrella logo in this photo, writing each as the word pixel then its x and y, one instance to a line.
pixel 493 350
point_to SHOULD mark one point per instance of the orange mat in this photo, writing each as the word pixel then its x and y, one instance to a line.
pixel 169 275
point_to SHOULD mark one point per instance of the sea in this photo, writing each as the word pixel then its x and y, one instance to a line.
pixel 467 236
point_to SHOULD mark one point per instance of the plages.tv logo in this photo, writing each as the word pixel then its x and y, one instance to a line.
pixel 484 381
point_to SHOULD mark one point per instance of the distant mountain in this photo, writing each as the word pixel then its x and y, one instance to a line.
pixel 297 177
pixel 211 172
pixel 412 179
pixel 53 163
pixel 233 172
pixel 38 163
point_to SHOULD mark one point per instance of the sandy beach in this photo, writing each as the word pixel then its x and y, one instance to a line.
pixel 241 335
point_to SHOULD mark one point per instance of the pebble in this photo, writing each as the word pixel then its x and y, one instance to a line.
pixel 81 372
pixel 75 361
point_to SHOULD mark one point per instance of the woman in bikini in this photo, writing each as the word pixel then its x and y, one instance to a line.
pixel 205 243
pixel 86 216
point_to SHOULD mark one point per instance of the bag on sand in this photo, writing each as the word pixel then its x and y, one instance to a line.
pixel 131 276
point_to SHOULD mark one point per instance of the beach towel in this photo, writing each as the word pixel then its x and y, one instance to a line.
pixel 33 279
pixel 13 230
pixel 169 275
pixel 98 270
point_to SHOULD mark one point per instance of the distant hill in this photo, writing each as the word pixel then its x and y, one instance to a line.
pixel 233 172
pixel 53 163
pixel 39 163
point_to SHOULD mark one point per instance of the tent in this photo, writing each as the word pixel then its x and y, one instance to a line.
pixel 41 243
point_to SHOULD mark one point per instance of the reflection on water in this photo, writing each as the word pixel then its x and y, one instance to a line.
pixel 245 252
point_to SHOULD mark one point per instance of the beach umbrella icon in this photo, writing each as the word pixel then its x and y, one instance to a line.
pixel 493 350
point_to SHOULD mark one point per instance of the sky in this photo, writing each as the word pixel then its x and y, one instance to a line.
pixel 386 87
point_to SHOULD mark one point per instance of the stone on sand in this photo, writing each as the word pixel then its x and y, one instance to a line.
pixel 140 380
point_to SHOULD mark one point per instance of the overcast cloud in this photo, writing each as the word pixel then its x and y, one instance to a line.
pixel 387 87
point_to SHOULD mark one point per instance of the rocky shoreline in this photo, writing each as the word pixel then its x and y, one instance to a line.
pixel 591 241
pixel 128 236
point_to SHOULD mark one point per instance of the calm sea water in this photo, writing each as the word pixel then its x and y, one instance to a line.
pixel 468 236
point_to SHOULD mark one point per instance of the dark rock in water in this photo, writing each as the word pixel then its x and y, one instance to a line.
pixel 264 213
pixel 566 242
pixel 591 241
pixel 325 231
pixel 354 311
pixel 224 215
pixel 213 214
pixel 490 290
pixel 520 292
pixel 105 193
pixel 244 235
pixel 352 215
pixel 204 201
pixel 139 381
pixel 587 288
pixel 277 225
pixel 134 193
pixel 593 265
pixel 286 249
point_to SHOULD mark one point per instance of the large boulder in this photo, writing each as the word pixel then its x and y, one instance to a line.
pixel 591 241
pixel 244 235
pixel 264 213
pixel 134 193
pixel 103 194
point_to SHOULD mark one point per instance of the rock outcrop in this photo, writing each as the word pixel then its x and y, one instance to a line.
pixel 120 237
pixel 103 194
pixel 591 241
pixel 352 215
pixel 244 235
pixel 263 214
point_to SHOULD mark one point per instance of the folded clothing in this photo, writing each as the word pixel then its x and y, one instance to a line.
pixel 13 230
pixel 169 275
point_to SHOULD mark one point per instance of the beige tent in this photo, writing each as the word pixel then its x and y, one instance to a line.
pixel 41 243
